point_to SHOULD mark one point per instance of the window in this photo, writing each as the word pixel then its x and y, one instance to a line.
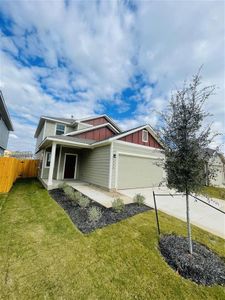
pixel 144 136
pixel 47 159
pixel 60 129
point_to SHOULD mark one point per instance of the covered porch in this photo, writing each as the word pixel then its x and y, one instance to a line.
pixel 60 161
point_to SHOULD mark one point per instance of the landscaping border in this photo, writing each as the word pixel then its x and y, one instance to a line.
pixel 79 216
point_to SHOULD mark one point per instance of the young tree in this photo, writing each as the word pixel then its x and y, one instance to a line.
pixel 186 139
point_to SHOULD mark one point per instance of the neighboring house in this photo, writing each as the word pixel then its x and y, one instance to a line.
pixel 7 153
pixel 19 154
pixel 97 151
pixel 215 164
pixel 5 125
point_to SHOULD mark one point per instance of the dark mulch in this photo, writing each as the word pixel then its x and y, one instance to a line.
pixel 203 266
pixel 79 216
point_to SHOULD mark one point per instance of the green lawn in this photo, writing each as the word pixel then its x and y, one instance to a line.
pixel 214 192
pixel 44 256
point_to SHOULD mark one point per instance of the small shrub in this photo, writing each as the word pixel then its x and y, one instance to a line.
pixel 62 185
pixel 118 205
pixel 139 199
pixel 83 202
pixel 77 196
pixel 74 196
pixel 69 191
pixel 94 214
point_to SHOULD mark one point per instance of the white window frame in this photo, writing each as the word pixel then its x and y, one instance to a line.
pixel 143 133
pixel 46 158
pixel 56 128
pixel 64 164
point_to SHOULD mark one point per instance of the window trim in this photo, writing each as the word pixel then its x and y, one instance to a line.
pixel 56 128
pixel 143 133
pixel 46 159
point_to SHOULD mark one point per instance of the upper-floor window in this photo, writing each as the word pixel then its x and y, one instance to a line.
pixel 60 129
pixel 144 136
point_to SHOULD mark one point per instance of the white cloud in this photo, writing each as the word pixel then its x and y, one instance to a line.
pixel 96 48
pixel 13 136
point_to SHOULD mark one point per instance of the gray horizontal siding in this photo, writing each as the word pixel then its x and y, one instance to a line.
pixel 1 151
pixel 4 134
pixel 217 167
pixel 46 170
pixel 94 166
pixel 40 138
pixel 48 129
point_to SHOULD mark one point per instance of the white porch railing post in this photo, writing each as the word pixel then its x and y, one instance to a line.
pixel 52 163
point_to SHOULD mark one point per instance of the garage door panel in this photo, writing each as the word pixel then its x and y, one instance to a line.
pixel 134 172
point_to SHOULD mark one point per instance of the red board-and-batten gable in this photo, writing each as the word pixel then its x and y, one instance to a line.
pixel 136 138
pixel 96 121
pixel 97 134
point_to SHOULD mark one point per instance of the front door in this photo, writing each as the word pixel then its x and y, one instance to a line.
pixel 70 165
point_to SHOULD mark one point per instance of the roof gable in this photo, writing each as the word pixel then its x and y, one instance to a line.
pixel 128 132
pixel 98 120
pixel 52 119
pixel 136 138
pixel 112 128
pixel 97 134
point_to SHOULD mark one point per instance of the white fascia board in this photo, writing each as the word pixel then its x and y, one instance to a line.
pixel 91 128
pixel 56 120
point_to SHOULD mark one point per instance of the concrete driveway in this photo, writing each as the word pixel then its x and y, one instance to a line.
pixel 201 214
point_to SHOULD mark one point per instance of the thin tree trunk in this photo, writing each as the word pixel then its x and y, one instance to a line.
pixel 188 224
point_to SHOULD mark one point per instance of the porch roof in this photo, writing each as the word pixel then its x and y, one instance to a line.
pixel 67 141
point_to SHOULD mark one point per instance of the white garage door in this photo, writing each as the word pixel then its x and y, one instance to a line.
pixel 137 172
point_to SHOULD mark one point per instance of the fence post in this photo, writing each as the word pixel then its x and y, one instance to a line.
pixel 156 214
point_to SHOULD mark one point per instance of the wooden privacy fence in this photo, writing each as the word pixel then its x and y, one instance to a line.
pixel 12 168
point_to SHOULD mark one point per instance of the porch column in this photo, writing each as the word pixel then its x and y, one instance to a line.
pixel 43 162
pixel 52 163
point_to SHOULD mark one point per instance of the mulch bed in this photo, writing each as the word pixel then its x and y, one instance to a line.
pixel 79 216
pixel 203 266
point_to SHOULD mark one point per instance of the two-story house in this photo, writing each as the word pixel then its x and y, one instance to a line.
pixel 97 151
pixel 215 164
pixel 5 125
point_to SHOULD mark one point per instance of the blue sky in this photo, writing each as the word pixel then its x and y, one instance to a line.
pixel 122 58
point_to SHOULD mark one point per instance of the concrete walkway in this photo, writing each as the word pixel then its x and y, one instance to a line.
pixel 202 215
pixel 96 194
